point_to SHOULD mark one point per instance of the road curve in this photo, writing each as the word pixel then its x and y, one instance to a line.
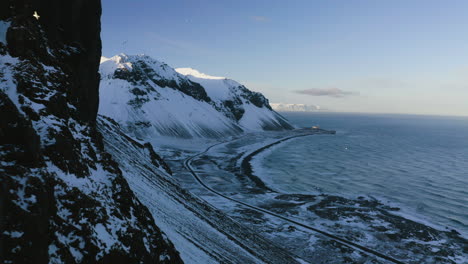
pixel 339 240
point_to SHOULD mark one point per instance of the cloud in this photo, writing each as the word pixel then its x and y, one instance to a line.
pixel 260 18
pixel 332 92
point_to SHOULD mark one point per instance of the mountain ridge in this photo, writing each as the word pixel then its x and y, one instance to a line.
pixel 150 99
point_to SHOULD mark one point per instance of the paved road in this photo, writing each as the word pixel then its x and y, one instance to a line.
pixel 339 240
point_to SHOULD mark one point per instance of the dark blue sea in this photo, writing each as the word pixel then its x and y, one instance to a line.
pixel 418 163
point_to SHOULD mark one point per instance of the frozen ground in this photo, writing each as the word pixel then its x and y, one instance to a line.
pixel 201 233
pixel 361 219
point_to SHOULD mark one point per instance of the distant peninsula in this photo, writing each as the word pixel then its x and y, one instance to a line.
pixel 282 107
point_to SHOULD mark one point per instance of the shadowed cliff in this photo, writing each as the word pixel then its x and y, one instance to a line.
pixel 63 199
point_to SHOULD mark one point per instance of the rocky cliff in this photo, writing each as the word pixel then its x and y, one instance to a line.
pixel 63 198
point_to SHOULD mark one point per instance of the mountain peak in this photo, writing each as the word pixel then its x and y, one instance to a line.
pixel 150 98
pixel 197 74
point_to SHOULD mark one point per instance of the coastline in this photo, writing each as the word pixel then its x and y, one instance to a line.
pixel 246 167
pixel 385 227
pixel 341 241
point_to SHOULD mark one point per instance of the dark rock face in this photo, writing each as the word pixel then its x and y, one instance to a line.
pixel 74 24
pixel 62 197
pixel 255 98
pixel 234 107
pixel 142 73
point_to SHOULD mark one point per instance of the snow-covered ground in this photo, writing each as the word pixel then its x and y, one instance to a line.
pixel 201 233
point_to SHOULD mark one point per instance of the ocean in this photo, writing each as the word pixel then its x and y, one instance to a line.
pixel 418 163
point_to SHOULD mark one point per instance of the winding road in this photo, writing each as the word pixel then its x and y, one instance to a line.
pixel 339 240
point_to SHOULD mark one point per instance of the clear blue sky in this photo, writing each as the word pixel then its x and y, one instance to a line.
pixel 398 56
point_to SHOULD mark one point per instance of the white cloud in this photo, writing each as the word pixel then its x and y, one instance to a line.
pixel 331 92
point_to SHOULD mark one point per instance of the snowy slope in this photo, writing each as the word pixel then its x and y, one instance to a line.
pixel 257 113
pixel 149 98
pixel 199 232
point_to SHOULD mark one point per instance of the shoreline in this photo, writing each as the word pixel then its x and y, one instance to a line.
pixel 343 241
pixel 247 169
pixel 246 165
pixel 350 218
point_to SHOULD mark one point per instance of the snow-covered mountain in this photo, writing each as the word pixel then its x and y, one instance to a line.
pixel 149 98
pixel 281 107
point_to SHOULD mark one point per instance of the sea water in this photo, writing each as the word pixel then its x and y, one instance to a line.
pixel 419 163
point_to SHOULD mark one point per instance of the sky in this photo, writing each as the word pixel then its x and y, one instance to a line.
pixel 399 56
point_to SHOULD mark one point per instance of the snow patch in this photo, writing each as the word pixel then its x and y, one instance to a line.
pixel 14 234
pixel 3 31
pixel 7 64
pixel 197 74
pixel 105 237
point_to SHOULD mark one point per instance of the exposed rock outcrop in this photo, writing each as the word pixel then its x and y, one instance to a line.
pixel 62 198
